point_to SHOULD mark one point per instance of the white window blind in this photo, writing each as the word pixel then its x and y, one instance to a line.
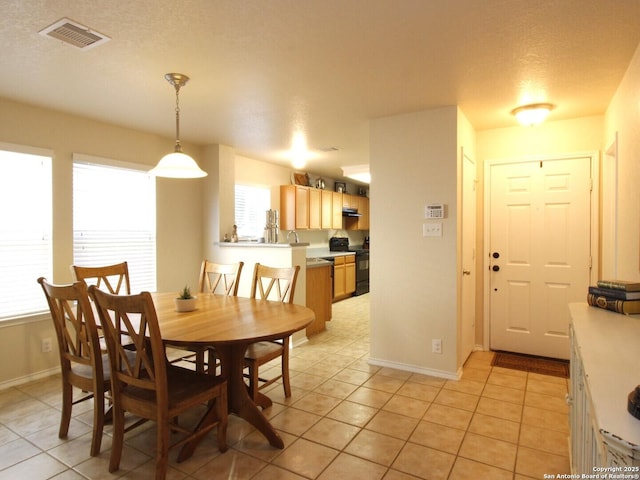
pixel 25 232
pixel 114 220
pixel 251 204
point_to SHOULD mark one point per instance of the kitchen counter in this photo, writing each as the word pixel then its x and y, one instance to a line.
pixel 262 245
pixel 325 253
pixel 316 262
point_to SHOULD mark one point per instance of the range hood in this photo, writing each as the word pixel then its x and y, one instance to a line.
pixel 350 212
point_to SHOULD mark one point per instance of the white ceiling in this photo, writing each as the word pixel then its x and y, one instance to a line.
pixel 262 69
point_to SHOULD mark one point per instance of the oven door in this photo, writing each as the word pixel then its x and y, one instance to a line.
pixel 362 272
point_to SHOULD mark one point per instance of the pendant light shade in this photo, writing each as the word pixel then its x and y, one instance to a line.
pixel 177 164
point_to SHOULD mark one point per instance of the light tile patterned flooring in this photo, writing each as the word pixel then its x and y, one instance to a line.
pixel 346 419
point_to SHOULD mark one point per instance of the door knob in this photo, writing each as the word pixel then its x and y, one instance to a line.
pixel 495 268
pixel 466 272
pixel 496 255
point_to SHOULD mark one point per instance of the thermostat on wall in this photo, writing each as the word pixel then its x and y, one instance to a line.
pixel 435 210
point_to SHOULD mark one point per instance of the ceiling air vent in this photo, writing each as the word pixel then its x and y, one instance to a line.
pixel 75 34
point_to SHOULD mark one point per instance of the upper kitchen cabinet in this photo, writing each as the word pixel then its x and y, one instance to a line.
pixel 294 207
pixel 305 208
pixel 361 204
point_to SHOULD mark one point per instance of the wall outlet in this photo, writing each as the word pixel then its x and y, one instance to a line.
pixel 436 345
pixel 46 345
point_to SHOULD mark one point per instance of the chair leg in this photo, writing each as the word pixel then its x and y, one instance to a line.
pixel 254 382
pixel 285 369
pixel 200 361
pixel 98 423
pixel 118 438
pixel 162 448
pixel 67 404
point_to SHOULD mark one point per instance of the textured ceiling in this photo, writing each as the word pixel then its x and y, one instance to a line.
pixel 263 69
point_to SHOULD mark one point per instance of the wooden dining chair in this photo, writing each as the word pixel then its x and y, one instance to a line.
pixel 112 278
pixel 220 278
pixel 82 363
pixel 262 287
pixel 149 387
pixel 216 278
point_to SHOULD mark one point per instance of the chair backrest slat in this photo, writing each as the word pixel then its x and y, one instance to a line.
pixel 74 323
pixel 283 278
pixel 112 278
pixel 141 361
pixel 226 276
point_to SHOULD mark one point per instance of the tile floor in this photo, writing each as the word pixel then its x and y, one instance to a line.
pixel 346 419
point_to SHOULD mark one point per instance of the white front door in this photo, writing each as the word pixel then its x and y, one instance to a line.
pixel 539 252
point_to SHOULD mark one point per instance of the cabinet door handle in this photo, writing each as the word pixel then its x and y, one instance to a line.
pixel 466 272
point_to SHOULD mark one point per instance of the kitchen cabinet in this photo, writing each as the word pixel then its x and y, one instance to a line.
pixel 315 208
pixel 319 296
pixel 336 207
pixel 331 210
pixel 304 208
pixel 344 276
pixel 294 207
pixel 361 204
pixel 604 358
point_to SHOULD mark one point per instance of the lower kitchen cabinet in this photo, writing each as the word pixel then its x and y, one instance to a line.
pixel 344 276
pixel 604 436
pixel 319 297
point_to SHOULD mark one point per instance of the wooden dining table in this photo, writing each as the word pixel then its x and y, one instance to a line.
pixel 230 324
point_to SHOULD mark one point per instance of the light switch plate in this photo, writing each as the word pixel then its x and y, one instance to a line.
pixel 432 229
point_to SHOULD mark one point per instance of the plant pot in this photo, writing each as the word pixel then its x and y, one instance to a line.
pixel 185 304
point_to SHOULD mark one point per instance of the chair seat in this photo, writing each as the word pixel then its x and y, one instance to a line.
pixel 86 371
pixel 263 349
pixel 185 387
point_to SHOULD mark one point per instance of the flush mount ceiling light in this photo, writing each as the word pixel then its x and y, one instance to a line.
pixel 177 164
pixel 359 173
pixel 532 114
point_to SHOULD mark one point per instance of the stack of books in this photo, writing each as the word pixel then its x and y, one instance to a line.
pixel 619 296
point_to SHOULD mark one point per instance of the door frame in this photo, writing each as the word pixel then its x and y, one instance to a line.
pixel 594 155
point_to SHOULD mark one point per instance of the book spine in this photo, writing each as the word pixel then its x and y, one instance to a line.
pixel 618 306
pixel 617 286
pixel 608 292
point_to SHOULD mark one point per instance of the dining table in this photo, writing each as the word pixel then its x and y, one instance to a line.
pixel 230 324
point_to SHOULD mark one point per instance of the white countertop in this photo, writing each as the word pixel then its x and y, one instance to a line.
pixel 263 245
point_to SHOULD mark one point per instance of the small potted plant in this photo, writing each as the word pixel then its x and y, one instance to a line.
pixel 185 302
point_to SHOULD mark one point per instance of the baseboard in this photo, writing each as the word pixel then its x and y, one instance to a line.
pixel 415 369
pixel 14 382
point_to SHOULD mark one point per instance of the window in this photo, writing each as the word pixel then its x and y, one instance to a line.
pixel 114 220
pixel 252 204
pixel 25 232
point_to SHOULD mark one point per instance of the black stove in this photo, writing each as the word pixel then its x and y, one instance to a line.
pixel 341 244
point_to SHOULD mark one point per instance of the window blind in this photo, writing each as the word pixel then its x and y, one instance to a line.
pixel 114 220
pixel 251 204
pixel 25 232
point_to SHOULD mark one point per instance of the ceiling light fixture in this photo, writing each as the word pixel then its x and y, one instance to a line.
pixel 359 173
pixel 299 152
pixel 177 164
pixel 532 114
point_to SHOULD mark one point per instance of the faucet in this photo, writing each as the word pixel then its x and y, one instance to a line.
pixel 295 235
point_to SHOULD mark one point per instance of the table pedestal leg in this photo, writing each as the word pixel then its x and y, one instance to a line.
pixel 240 403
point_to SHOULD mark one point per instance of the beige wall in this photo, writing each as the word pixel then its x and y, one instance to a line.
pixel 413 278
pixel 623 118
pixel 179 213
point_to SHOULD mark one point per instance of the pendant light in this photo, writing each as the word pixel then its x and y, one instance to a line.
pixel 177 164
